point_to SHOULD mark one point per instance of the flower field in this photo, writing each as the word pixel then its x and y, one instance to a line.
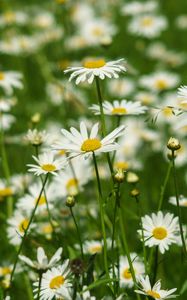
pixel 93 150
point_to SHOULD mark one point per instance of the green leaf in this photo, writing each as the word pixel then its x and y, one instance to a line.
pixel 184 288
pixel 98 283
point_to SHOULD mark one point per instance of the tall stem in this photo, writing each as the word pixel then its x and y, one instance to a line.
pixel 163 187
pixel 101 215
pixel 39 285
pixel 178 206
pixel 5 165
pixel 155 265
pixel 78 232
pixel 126 247
pixel 142 232
pixel 103 125
pixel 27 229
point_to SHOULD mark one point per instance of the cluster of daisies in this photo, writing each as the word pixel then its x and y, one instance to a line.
pixel 53 204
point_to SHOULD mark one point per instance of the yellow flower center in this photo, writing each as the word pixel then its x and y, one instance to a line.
pixel 97 31
pixel 119 111
pixel 91 145
pixel 153 294
pixel 127 274
pixel 2 75
pixel 23 225
pixel 167 111
pixel 121 165
pixel 95 249
pixel 47 229
pixel 147 21
pixel 9 16
pixel 56 282
pixel 62 152
pixel 159 233
pixel 48 167
pixel 5 271
pixel 161 84
pixel 5 192
pixel 72 186
pixel 94 64
pixel 42 200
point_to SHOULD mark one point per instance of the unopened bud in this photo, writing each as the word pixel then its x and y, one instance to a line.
pixel 70 201
pixel 36 118
pixel 134 192
pixel 119 176
pixel 173 144
pixel 132 177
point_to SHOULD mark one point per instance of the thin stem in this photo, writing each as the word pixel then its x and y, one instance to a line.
pixel 155 266
pixel 39 285
pixel 101 215
pixel 142 232
pixel 78 232
pixel 103 125
pixel 126 247
pixel 178 206
pixel 5 165
pixel 27 229
pixel 163 187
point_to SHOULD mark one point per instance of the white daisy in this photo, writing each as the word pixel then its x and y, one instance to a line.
pixel 92 247
pixel 17 225
pixel 121 87
pixel 159 81
pixel 6 190
pixel 29 200
pixel 155 292
pixel 6 121
pixel 135 7
pixel 124 270
pixel 36 137
pixel 46 164
pixel 42 262
pixel 160 230
pixel 55 283
pixel 148 25
pixel 96 68
pixel 81 143
pixel 182 92
pixel 120 108
pixel 10 80
pixel 182 200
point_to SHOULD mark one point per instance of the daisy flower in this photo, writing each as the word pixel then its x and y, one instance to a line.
pixel 55 283
pixel 96 68
pixel 35 137
pixel 10 80
pixel 159 81
pixel 42 262
pixel 120 108
pixel 147 25
pixel 182 92
pixel 160 230
pixel 82 143
pixel 46 164
pixel 92 247
pixel 182 200
pixel 17 225
pixel 121 87
pixel 124 270
pixel 155 292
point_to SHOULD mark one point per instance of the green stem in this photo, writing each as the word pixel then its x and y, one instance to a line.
pixel 178 206
pixel 78 232
pixel 27 229
pixel 126 247
pixel 163 187
pixel 28 287
pixel 101 215
pixel 103 125
pixel 5 166
pixel 39 285
pixel 155 266
pixel 142 231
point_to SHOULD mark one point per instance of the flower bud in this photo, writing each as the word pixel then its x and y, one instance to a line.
pixel 119 176
pixel 132 177
pixel 134 192
pixel 70 201
pixel 36 118
pixel 173 144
